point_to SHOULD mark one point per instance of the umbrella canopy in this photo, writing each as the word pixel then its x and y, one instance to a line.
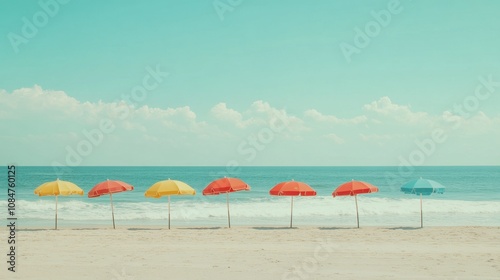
pixel 422 187
pixel 57 188
pixel 109 187
pixel 353 188
pixel 226 185
pixel 168 188
pixel 292 188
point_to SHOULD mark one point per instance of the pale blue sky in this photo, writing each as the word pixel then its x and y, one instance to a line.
pixel 263 57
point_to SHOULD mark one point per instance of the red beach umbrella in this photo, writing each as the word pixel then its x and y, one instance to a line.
pixel 292 188
pixel 109 187
pixel 226 185
pixel 353 188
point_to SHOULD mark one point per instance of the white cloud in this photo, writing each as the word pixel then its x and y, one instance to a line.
pixel 222 112
pixel 180 119
pixel 449 117
pixel 270 114
pixel 479 123
pixel 400 113
pixel 131 126
pixel 53 119
pixel 35 99
pixel 319 117
pixel 57 105
pixel 260 114
pixel 335 138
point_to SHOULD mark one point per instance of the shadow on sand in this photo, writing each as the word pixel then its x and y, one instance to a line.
pixel 144 228
pixel 336 228
pixel 404 228
pixel 273 228
pixel 34 229
pixel 206 228
pixel 60 229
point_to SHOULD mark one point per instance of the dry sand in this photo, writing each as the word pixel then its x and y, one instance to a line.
pixel 257 253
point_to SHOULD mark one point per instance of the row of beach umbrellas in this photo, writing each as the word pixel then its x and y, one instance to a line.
pixel 227 185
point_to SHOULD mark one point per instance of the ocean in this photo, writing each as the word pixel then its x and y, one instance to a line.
pixel 472 197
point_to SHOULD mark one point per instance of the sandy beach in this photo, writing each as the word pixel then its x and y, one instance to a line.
pixel 257 253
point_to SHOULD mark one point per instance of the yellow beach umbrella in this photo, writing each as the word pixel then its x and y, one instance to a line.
pixel 57 188
pixel 168 188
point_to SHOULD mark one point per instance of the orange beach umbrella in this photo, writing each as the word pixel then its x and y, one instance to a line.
pixel 109 187
pixel 353 188
pixel 292 188
pixel 226 185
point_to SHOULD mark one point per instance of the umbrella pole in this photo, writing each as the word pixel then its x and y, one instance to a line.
pixel 169 212
pixel 421 213
pixel 291 213
pixel 112 209
pixel 56 211
pixel 357 213
pixel 228 216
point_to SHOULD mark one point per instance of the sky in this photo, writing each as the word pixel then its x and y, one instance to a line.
pixel 249 82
